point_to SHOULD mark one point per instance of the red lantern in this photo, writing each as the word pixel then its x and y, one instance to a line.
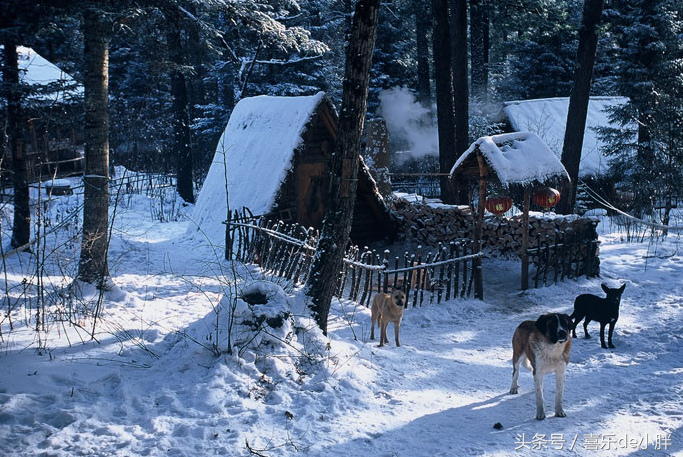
pixel 547 197
pixel 498 204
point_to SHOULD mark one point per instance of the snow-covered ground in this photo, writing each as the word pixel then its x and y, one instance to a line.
pixel 150 385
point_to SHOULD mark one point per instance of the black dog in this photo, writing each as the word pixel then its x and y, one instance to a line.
pixel 594 308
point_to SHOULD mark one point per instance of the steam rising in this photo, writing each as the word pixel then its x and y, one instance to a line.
pixel 411 125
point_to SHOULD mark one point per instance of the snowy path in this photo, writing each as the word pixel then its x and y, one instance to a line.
pixel 440 393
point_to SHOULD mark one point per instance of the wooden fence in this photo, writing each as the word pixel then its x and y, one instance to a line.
pixel 568 254
pixel 287 250
pixel 446 273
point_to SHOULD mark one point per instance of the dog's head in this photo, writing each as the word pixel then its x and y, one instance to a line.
pixel 398 296
pixel 555 326
pixel 613 295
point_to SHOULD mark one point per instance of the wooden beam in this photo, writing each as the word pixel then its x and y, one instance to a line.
pixel 481 205
pixel 525 239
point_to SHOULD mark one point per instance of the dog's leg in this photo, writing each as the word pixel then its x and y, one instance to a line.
pixel 609 335
pixel 559 391
pixel 538 383
pixel 383 333
pixel 585 327
pixel 397 325
pixel 602 336
pixel 576 323
pixel 516 363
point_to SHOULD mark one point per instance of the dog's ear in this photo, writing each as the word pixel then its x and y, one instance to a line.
pixel 621 289
pixel 605 288
pixel 542 323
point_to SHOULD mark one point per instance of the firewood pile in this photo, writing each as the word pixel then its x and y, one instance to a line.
pixel 429 223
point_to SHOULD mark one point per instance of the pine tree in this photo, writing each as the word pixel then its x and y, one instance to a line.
pixel 646 149
pixel 535 48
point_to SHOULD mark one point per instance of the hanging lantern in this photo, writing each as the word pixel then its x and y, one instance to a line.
pixel 498 204
pixel 547 197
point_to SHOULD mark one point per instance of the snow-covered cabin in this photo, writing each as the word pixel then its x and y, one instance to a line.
pixel 47 81
pixel 54 145
pixel 274 158
pixel 547 117
pixel 518 158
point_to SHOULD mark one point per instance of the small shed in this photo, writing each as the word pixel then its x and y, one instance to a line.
pixel 519 159
pixel 274 158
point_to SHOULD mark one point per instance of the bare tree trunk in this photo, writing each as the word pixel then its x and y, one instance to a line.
pixel 479 42
pixel 443 73
pixel 342 194
pixel 460 86
pixel 182 150
pixel 21 230
pixel 422 24
pixel 93 267
pixel 578 101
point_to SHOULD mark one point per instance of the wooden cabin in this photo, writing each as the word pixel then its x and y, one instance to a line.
pixel 275 156
pixel 53 146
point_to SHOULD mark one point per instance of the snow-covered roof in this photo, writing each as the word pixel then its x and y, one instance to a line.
pixel 515 158
pixel 253 156
pixel 547 117
pixel 48 79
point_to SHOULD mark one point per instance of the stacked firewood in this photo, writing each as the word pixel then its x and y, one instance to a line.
pixel 429 223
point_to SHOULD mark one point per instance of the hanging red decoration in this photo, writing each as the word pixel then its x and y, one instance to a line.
pixel 498 204
pixel 547 197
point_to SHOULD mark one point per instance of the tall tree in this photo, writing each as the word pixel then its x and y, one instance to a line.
pixel 93 266
pixel 460 86
pixel 422 27
pixel 479 44
pixel 443 74
pixel 21 228
pixel 334 237
pixel 15 18
pixel 182 149
pixel 578 101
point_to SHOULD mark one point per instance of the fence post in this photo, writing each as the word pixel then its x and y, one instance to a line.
pixel 418 274
pixel 525 240
pixel 385 263
pixel 228 241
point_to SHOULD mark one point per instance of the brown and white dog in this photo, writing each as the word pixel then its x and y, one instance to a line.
pixel 543 346
pixel 387 308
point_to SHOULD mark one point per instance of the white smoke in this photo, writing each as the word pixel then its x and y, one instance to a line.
pixel 411 125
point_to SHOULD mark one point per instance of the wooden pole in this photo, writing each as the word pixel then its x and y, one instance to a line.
pixel 478 276
pixel 525 240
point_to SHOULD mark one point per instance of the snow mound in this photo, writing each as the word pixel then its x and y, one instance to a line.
pixel 264 325
pixel 252 159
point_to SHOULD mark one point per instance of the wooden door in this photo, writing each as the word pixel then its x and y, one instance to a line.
pixel 311 193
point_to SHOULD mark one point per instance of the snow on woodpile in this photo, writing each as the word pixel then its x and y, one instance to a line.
pixel 253 156
pixel 516 158
pixel 547 117
pixel 48 79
